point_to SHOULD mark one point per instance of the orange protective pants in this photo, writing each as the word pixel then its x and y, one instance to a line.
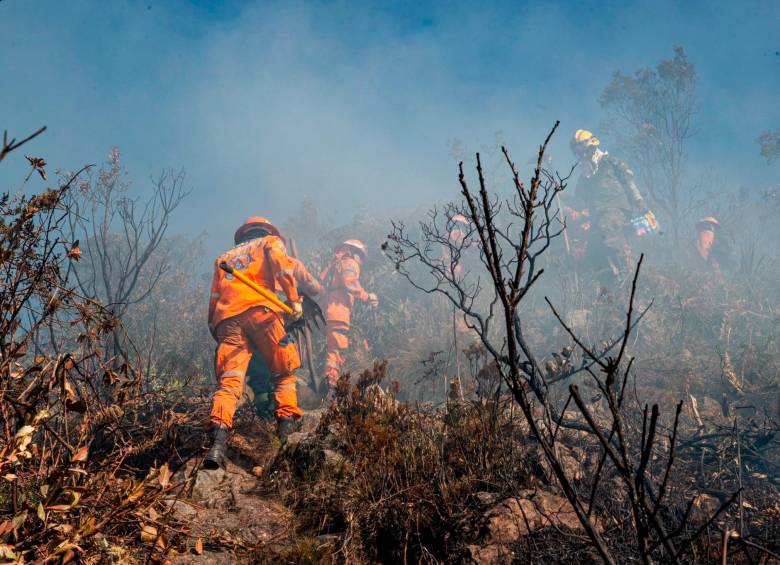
pixel 255 331
pixel 337 342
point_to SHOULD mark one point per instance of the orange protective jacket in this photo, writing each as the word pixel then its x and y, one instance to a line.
pixel 342 280
pixel 265 261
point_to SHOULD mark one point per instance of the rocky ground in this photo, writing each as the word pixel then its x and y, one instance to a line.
pixel 227 508
pixel 230 517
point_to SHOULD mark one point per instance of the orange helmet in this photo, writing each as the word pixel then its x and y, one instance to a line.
pixel 707 222
pixel 255 222
pixel 356 245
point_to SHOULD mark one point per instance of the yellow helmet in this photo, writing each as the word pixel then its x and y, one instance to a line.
pixel 582 140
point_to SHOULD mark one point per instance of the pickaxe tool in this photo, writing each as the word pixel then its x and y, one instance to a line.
pixel 311 310
pixel 305 340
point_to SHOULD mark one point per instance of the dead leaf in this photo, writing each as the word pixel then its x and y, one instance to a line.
pixel 41 512
pixel 148 533
pixel 88 527
pixel 7 552
pixel 67 546
pixel 72 400
pixel 41 416
pixel 137 493
pixel 81 454
pixel 153 513
pixel 199 546
pixel 75 497
pixel 19 352
pixel 18 520
pixel 22 439
pixel 24 431
pixel 9 477
pixel 164 477
pixel 75 251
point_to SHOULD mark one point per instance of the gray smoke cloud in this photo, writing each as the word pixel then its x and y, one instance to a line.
pixel 357 106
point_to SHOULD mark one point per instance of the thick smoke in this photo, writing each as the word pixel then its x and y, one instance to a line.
pixel 357 107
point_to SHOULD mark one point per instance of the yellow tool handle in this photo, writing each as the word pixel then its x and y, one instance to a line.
pixel 264 292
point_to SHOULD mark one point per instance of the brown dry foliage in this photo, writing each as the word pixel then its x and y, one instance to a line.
pixel 78 426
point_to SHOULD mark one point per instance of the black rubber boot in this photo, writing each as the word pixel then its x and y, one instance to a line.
pixel 285 427
pixel 215 458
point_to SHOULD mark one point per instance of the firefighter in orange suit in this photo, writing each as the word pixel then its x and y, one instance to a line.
pixel 258 375
pixel 243 321
pixel 341 279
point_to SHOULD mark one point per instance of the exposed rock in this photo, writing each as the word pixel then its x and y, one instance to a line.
pixel 207 484
pixel 182 509
pixel 225 503
pixel 307 398
pixel 309 452
pixel 293 440
pixel 209 558
pixel 704 506
pixel 486 498
pixel 311 419
pixel 516 517
pixel 508 521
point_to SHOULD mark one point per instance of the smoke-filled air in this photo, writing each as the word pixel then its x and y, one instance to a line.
pixel 389 282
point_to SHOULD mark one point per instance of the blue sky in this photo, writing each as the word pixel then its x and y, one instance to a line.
pixel 356 104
